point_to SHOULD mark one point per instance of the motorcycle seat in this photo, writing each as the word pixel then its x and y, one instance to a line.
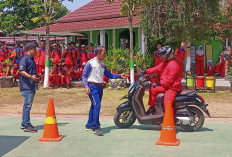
pixel 183 93
pixel 186 92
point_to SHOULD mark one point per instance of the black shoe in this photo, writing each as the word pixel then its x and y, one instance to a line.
pixel 30 128
pixel 89 128
pixel 98 132
pixel 22 126
pixel 151 110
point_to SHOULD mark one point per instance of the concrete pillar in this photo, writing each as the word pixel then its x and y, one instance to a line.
pixel 144 43
pixel 114 38
pixel 140 39
pixel 102 37
pixel 91 36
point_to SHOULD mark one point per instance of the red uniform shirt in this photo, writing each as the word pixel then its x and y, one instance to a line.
pixel 68 56
pixel 170 74
pixel 91 55
pixel 83 57
pixel 56 55
pixel 2 55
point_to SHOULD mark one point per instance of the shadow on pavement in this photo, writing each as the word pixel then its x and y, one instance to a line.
pixel 41 127
pixel 8 143
pixel 149 127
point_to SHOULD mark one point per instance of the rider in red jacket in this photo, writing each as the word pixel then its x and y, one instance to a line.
pixel 170 78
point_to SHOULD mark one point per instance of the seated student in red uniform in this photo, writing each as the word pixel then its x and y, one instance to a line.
pixel 75 73
pixel 8 51
pixel 210 68
pixel 54 77
pixel 91 53
pixel 3 54
pixel 13 55
pixel 41 57
pixel 81 69
pixel 83 54
pixel 56 54
pixel 15 72
pixel 65 77
pixel 69 55
pixel 170 78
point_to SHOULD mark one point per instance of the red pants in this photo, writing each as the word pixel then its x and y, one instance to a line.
pixel 200 68
pixel 222 69
pixel 53 79
pixel 169 95
pixel 75 76
pixel 65 79
pixel 217 70
pixel 40 69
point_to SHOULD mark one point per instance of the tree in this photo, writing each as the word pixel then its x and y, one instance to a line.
pixel 48 17
pixel 19 14
pixel 173 21
pixel 130 8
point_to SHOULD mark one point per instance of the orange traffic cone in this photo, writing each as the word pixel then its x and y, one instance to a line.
pixel 168 132
pixel 51 132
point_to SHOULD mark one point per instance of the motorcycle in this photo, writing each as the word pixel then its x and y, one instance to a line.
pixel 188 108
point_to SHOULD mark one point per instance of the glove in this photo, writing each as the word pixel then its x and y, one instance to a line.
pixel 155 84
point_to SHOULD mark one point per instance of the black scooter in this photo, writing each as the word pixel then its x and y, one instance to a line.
pixel 188 108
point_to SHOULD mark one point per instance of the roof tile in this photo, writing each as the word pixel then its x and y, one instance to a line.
pixel 96 9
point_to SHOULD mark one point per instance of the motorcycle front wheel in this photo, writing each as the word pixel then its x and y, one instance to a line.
pixel 197 121
pixel 124 119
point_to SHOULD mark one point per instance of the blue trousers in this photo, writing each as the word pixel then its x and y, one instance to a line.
pixel 28 100
pixel 95 96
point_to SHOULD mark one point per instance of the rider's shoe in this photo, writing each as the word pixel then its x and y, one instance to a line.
pixel 151 110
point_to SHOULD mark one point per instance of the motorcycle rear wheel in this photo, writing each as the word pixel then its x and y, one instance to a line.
pixel 198 120
pixel 124 119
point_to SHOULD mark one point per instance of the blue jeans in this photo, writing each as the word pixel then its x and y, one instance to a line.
pixel 28 100
pixel 95 96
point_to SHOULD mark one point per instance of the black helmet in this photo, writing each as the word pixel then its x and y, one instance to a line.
pixel 165 50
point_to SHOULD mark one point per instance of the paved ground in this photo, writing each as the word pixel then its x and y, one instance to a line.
pixel 213 140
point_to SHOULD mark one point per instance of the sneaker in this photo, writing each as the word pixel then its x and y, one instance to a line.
pixel 89 128
pixel 98 132
pixel 30 128
pixel 22 126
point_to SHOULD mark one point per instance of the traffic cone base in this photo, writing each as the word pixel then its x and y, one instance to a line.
pixel 177 143
pixel 51 139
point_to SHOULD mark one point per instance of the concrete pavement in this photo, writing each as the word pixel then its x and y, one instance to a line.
pixel 213 140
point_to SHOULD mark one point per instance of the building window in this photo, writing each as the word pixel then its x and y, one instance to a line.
pixel 124 39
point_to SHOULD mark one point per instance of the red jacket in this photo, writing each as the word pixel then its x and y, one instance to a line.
pixel 170 74
pixel 210 72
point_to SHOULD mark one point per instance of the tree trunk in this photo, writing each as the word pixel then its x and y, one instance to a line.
pixel 132 78
pixel 47 61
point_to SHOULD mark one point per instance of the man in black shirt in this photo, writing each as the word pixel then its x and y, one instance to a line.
pixel 28 84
